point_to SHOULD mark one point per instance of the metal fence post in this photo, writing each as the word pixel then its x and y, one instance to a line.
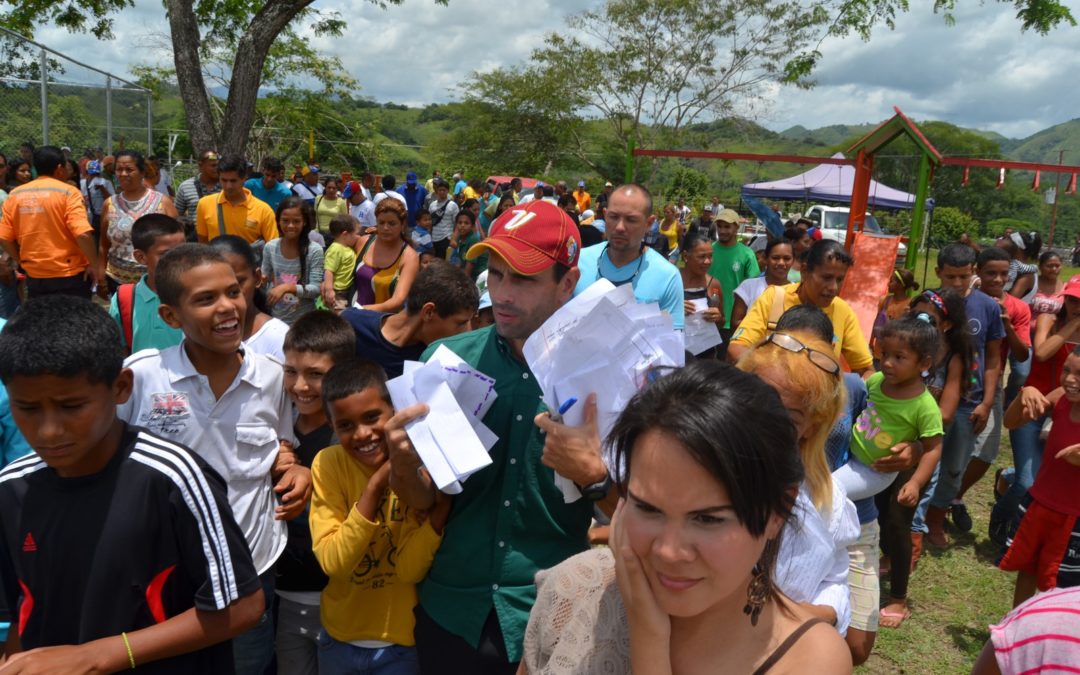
pixel 44 99
pixel 149 125
pixel 108 115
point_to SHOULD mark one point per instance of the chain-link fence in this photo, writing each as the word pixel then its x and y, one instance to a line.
pixel 49 98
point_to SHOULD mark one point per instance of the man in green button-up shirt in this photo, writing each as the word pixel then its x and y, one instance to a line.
pixel 510 521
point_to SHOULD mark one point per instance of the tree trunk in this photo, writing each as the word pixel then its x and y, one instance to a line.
pixel 189 75
pixel 247 70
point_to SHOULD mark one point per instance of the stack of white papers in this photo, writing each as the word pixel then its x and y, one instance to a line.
pixel 451 440
pixel 602 342
pixel 700 335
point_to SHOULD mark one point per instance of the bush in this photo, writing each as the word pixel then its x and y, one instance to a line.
pixel 948 223
pixel 996 227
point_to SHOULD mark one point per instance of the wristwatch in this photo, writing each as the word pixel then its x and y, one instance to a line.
pixel 596 491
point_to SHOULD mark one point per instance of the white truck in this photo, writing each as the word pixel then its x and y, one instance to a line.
pixel 833 223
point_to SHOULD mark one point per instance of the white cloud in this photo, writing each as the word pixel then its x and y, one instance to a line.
pixel 982 72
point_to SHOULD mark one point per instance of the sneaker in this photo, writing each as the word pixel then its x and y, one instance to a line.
pixel 960 517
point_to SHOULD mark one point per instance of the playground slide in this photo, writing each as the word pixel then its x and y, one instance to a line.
pixel 867 281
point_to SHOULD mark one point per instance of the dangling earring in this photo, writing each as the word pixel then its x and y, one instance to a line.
pixel 925 374
pixel 757 593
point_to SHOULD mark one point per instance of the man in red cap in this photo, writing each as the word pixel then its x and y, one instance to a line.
pixel 360 207
pixel 510 521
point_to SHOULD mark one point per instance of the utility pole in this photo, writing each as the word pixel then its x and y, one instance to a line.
pixel 1057 192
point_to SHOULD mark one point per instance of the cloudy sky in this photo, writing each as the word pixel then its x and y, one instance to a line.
pixel 983 72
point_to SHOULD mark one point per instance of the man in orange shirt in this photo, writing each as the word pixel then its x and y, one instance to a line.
pixel 44 228
pixel 583 199
pixel 234 210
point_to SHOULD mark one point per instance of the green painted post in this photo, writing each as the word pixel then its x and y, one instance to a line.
pixel 629 162
pixel 915 236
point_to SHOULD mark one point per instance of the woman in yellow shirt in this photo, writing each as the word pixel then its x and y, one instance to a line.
pixel 827 264
pixel 329 205
pixel 374 548
pixel 671 228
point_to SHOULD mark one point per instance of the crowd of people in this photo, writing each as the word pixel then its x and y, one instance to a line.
pixel 211 476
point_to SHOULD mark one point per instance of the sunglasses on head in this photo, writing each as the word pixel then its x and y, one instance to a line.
pixel 818 358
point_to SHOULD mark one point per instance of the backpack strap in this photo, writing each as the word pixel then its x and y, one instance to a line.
pixel 777 309
pixel 125 302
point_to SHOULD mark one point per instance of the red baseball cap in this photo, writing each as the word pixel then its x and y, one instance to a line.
pixel 1072 288
pixel 533 237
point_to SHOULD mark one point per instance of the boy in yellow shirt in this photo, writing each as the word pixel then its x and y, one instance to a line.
pixel 373 548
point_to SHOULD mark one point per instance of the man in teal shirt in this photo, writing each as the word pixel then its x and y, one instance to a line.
pixel 152 236
pixel 733 263
pixel 510 521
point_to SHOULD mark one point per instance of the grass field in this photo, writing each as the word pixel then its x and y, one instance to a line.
pixel 954 595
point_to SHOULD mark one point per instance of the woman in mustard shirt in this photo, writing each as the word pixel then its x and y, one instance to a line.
pixel 827 264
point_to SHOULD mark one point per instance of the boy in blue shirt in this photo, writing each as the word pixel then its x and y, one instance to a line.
pixel 134 307
pixel 955 269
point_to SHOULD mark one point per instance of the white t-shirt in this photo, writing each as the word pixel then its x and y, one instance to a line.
pixel 364 212
pixel 238 434
pixel 97 199
pixel 269 340
pixel 751 289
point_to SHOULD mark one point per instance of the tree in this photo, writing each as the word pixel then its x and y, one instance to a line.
pixel 949 223
pixel 241 37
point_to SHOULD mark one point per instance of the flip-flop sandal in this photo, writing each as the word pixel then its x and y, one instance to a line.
pixel 893 616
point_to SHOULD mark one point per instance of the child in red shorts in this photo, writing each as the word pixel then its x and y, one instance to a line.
pixel 1045 545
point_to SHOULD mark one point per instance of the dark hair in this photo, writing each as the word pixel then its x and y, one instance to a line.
pixel 1047 256
pixel 448 287
pixel 826 251
pixel 468 204
pixel 773 243
pixel 308 215
pixel 549 191
pixel 463 212
pixel 271 163
pixel 175 263
pixel 73 167
pixel 146 229
pixel 907 278
pixel 499 207
pixel 423 212
pixel 331 179
pixel 990 254
pixel 809 318
pixel 232 163
pixel 918 335
pixel 565 200
pixel 63 336
pixel 135 155
pixel 440 183
pixel 322 333
pixel 733 425
pixel 46 159
pixel 13 166
pixel 957 339
pixel 1032 243
pixel 353 376
pixel 388 182
pixel 956 255
pixel 692 238
pixel 230 244
pixel 339 225
pixel 794 234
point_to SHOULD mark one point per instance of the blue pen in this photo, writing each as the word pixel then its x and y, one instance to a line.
pixel 569 403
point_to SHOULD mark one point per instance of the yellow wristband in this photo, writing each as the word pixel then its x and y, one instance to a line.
pixel 131 656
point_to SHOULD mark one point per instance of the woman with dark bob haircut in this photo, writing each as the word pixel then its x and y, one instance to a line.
pixel 709 468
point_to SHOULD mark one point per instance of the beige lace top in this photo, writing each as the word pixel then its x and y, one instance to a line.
pixel 578 624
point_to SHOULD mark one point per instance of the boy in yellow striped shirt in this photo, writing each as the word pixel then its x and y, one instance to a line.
pixel 373 548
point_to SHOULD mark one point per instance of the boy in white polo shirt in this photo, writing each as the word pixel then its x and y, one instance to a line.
pixel 227 405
